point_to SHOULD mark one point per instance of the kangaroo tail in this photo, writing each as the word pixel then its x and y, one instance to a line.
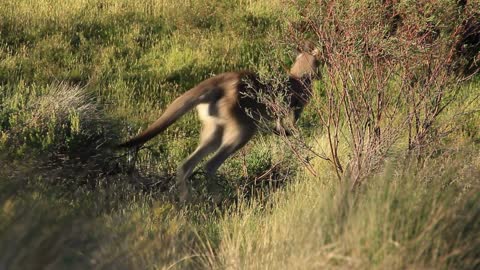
pixel 174 111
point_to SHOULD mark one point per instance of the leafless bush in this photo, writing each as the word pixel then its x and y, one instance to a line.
pixel 389 69
pixel 276 96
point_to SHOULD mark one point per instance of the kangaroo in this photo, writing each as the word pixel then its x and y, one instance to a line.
pixel 229 111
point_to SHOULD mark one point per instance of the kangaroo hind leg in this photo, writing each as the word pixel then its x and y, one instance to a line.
pixel 210 139
pixel 234 137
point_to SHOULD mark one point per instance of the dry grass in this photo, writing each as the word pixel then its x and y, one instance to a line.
pixel 405 217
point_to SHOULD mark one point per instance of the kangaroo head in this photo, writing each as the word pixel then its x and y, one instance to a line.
pixel 303 71
pixel 307 62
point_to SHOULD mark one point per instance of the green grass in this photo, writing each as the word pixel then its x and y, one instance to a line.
pixel 79 76
pixel 132 57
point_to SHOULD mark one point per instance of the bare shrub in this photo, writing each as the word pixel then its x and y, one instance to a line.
pixel 279 100
pixel 389 71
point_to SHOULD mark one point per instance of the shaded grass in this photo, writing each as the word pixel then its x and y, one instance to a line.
pixel 113 227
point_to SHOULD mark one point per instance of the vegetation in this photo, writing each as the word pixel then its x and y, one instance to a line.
pixel 359 186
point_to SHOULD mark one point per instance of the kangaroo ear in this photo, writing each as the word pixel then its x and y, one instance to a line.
pixel 298 49
pixel 308 47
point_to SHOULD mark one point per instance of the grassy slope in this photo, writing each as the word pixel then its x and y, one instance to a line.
pixel 132 58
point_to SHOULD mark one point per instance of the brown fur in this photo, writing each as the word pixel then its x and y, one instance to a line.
pixel 229 112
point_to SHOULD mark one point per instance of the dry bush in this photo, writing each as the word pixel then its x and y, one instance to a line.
pixel 390 69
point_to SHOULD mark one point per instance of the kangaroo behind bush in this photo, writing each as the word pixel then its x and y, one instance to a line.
pixel 229 110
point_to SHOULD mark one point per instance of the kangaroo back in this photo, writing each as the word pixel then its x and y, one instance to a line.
pixel 174 111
